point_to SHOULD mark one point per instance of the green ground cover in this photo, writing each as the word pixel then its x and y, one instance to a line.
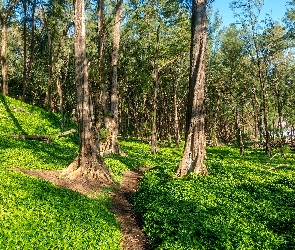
pixel 240 205
pixel 35 214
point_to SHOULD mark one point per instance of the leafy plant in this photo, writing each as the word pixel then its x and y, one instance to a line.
pixel 240 205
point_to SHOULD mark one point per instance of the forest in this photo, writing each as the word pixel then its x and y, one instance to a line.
pixel 148 109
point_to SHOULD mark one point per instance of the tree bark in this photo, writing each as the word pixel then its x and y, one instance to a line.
pixel 88 160
pixel 239 135
pixel 154 139
pixel 28 64
pixel 195 145
pixel 3 19
pixel 4 57
pixel 112 146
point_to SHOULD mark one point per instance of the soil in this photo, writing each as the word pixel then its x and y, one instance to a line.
pixel 133 237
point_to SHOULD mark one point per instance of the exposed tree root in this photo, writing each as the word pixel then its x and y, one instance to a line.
pixel 90 166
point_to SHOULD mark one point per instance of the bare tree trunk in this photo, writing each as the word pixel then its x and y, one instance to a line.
pixel 154 139
pixel 113 147
pixel 175 108
pixel 4 57
pixel 28 64
pixel 99 83
pixel 3 20
pixel 239 135
pixel 195 145
pixel 25 83
pixel 88 160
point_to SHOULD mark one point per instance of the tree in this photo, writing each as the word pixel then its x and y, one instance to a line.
pixel 4 16
pixel 88 160
pixel 111 122
pixel 195 145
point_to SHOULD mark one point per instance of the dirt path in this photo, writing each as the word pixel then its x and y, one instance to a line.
pixel 133 237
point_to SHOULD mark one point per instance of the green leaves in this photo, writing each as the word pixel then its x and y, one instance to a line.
pixel 36 213
pixel 238 206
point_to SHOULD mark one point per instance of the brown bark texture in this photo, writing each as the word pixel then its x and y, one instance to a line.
pixel 195 145
pixel 88 161
pixel 112 144
pixel 3 19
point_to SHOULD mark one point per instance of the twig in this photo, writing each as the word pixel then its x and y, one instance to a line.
pixel 271 158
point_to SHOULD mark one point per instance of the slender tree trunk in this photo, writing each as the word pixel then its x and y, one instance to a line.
pixel 3 20
pixel 195 145
pixel 175 108
pixel 154 139
pixel 99 83
pixel 48 94
pixel 88 160
pixel 176 119
pixel 28 64
pixel 25 83
pixel 4 57
pixel 239 135
pixel 113 147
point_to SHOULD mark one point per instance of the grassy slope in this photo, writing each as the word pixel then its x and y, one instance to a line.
pixel 35 214
pixel 240 205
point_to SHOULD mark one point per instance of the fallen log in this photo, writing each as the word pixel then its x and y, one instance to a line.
pixel 45 138
pixel 66 133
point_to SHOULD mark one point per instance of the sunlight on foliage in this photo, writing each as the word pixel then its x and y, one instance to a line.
pixel 34 213
pixel 241 204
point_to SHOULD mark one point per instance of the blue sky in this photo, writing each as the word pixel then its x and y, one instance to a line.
pixel 275 8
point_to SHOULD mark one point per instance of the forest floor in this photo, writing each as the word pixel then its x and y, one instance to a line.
pixel 133 237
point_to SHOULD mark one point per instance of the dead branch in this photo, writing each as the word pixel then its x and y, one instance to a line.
pixel 271 159
pixel 45 138
pixel 66 133
pixel 280 165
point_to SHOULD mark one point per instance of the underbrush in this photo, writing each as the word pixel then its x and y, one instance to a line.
pixel 35 214
pixel 244 203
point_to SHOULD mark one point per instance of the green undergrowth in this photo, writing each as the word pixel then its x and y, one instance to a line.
pixel 244 203
pixel 35 214
pixel 18 118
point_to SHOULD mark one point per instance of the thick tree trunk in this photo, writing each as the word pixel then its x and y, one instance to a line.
pixel 195 145
pixel 112 146
pixel 88 160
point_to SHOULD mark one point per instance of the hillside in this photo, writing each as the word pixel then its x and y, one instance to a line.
pixel 34 213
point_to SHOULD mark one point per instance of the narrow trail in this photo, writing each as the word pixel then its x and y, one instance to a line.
pixel 133 236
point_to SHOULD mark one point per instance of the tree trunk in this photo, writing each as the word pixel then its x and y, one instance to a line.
pixel 25 82
pixel 154 139
pixel 4 57
pixel 195 144
pixel 112 146
pixel 28 64
pixel 88 160
pixel 175 108
pixel 3 19
pixel 239 135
